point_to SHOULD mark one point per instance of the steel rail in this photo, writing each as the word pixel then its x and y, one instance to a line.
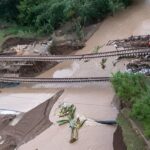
pixel 132 52
pixel 53 80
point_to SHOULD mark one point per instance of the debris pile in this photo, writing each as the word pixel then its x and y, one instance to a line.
pixel 131 42
pixel 139 66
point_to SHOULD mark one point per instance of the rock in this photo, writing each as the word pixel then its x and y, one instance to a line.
pixel 19 49
pixel 64 45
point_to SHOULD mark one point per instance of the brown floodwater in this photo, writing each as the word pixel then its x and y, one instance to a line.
pixel 93 102
pixel 132 21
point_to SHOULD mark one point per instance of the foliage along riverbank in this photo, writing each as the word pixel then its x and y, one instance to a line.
pixel 134 93
pixel 44 16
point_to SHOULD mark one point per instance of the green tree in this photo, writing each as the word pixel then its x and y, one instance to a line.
pixel 8 9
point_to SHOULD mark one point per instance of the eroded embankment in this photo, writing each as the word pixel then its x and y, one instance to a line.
pixel 32 124
pixel 127 136
pixel 13 41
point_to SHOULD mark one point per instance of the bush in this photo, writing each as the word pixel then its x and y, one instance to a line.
pixel 26 12
pixel 126 2
pixel 8 9
pixel 50 19
pixel 88 11
pixel 141 111
pixel 134 89
pixel 129 86
pixel 144 103
pixel 47 15
pixel 115 5
pixel 43 16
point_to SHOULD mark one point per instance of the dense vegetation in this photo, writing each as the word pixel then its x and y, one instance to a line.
pixel 8 9
pixel 134 90
pixel 46 15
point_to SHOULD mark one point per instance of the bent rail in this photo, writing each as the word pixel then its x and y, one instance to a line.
pixel 124 53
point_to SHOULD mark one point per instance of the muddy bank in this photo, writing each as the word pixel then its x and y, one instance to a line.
pixel 57 45
pixel 36 69
pixel 5 120
pixel 65 40
pixel 118 139
pixel 128 133
pixel 65 47
pixel 13 41
pixel 4 123
pixel 118 142
pixel 23 47
pixel 62 42
pixel 25 69
pixel 32 124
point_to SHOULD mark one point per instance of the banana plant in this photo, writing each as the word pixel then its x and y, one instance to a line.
pixel 62 122
pixel 74 123
pixel 67 111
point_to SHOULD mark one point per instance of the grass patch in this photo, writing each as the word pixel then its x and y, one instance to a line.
pixel 132 141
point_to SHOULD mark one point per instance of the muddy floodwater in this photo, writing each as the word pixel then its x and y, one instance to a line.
pixel 131 21
pixel 93 102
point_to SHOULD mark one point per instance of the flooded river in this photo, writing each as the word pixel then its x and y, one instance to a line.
pixel 93 102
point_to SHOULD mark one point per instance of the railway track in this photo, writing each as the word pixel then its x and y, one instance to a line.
pixel 8 53
pixel 123 53
pixel 53 80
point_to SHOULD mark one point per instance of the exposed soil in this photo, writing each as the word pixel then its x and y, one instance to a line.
pixel 66 40
pixel 118 142
pixel 62 43
pixel 32 124
pixel 31 70
pixel 66 47
pixel 13 41
pixel 36 69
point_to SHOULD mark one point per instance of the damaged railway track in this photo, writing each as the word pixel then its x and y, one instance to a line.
pixel 53 80
pixel 58 58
